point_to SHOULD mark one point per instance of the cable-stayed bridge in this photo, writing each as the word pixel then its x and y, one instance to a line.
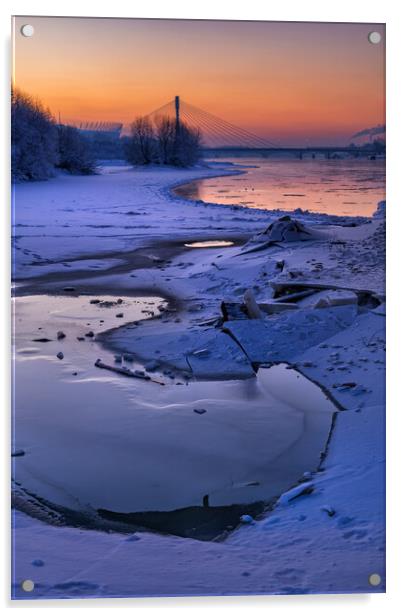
pixel 106 128
pixel 218 134
pixel 215 132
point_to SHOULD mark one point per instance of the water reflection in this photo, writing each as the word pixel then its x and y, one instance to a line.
pixel 97 441
pixel 210 244
pixel 343 187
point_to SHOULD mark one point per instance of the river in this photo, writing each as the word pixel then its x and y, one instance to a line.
pixel 344 187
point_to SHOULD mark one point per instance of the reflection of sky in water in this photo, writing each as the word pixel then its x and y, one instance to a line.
pixel 88 434
pixel 210 244
pixel 344 187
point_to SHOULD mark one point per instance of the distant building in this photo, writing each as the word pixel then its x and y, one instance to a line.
pixel 94 129
pixel 105 138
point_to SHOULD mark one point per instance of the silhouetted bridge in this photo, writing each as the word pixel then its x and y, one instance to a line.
pixel 219 136
pixel 327 152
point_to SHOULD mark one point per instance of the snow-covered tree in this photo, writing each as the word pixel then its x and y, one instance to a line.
pixel 34 151
pixel 75 152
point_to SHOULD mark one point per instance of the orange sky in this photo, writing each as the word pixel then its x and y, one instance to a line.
pixel 296 83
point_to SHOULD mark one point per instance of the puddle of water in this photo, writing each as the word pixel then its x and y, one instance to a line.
pixel 95 441
pixel 210 244
pixel 42 316
pixel 47 325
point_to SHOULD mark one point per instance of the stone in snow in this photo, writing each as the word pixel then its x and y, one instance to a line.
pixel 132 538
pixel 16 453
pixel 358 390
pixel 151 366
pixel 140 373
pixel 329 510
pixel 200 411
pixel 60 355
pixel 60 335
pixel 344 386
pixel 286 229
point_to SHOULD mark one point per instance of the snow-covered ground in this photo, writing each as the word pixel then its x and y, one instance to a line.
pixel 122 233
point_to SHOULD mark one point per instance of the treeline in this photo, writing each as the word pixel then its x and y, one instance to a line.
pixel 39 145
pixel 162 142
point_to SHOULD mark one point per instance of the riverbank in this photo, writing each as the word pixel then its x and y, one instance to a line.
pixel 106 233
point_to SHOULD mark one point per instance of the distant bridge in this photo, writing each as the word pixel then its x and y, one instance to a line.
pixel 299 152
pixel 220 136
pixel 215 132
pixel 113 129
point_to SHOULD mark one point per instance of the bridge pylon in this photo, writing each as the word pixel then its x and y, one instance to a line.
pixel 177 112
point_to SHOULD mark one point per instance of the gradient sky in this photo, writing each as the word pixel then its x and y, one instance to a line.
pixel 296 83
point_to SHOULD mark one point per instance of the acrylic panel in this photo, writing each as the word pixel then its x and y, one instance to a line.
pixel 198 293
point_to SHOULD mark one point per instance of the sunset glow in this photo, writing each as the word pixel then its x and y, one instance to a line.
pixel 198 217
pixel 295 83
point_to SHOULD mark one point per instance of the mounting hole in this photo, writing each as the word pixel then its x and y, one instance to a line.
pixel 374 37
pixel 27 585
pixel 27 30
pixel 375 579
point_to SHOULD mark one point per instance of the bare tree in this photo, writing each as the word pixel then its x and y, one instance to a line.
pixel 165 137
pixel 140 147
pixel 178 145
pixel 187 146
pixel 164 142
